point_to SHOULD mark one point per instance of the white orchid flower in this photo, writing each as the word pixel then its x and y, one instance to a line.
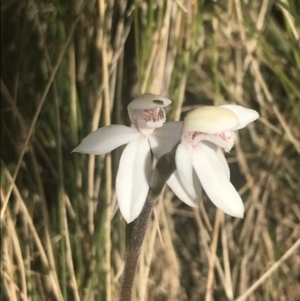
pixel 148 132
pixel 200 161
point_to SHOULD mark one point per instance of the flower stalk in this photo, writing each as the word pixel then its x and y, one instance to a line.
pixel 163 170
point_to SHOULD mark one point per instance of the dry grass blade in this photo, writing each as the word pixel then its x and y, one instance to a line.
pixel 212 259
pixel 270 271
pixel 36 116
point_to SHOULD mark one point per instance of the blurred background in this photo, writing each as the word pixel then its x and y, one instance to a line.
pixel 70 67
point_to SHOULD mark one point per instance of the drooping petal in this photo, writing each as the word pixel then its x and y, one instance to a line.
pixel 244 115
pixel 210 120
pixel 197 186
pixel 184 167
pixel 163 139
pixel 219 159
pixel 223 163
pixel 215 183
pixel 106 139
pixel 177 187
pixel 132 183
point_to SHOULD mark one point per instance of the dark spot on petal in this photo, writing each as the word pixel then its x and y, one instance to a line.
pixel 159 102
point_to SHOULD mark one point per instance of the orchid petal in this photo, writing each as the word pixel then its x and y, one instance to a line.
pixel 132 183
pixel 223 163
pixel 197 186
pixel 210 120
pixel 244 115
pixel 177 187
pixel 215 183
pixel 184 167
pixel 106 139
pixel 163 139
pixel 219 159
pixel 149 101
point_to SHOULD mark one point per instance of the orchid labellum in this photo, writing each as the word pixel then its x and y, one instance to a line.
pixel 200 161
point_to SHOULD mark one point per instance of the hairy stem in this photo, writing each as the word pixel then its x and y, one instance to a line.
pixel 163 170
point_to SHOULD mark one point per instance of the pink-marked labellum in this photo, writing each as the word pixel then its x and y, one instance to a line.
pixel 201 163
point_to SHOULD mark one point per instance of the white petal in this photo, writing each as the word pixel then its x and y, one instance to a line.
pixel 149 101
pixel 210 120
pixel 215 183
pixel 197 186
pixel 223 163
pixel 219 159
pixel 244 115
pixel 106 139
pixel 184 167
pixel 177 187
pixel 132 183
pixel 163 139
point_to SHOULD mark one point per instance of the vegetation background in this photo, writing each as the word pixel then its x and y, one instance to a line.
pixel 69 67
